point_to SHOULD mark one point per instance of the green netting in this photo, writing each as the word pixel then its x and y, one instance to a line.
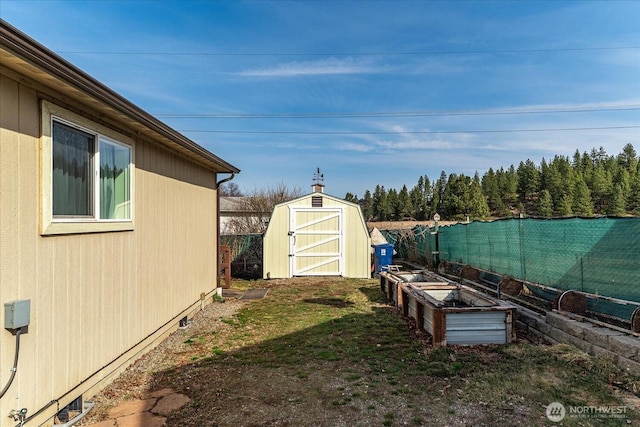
pixel 416 244
pixel 246 254
pixel 239 243
pixel 425 242
pixel 599 256
pixel 391 236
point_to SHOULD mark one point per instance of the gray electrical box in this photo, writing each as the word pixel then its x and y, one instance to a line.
pixel 17 313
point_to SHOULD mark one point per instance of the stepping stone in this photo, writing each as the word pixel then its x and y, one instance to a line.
pixel 146 419
pixel 170 403
pixel 129 407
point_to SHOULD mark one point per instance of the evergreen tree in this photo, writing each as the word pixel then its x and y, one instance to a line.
pixel 577 160
pixel 559 179
pixel 380 204
pixel 478 208
pixel 585 184
pixel 601 187
pixel 622 179
pixel 565 207
pixel 552 181
pixel 453 198
pixel 618 204
pixel 582 199
pixel 528 180
pixel 628 159
pixel 427 195
pixel 419 200
pixel 508 184
pixel 367 206
pixel 545 204
pixel 405 207
pixel 586 167
pixel 439 188
pixel 394 205
pixel 464 199
pixel 492 192
pixel 598 156
pixel 351 198
pixel 633 201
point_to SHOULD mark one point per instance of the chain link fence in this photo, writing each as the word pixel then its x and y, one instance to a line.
pixel 588 267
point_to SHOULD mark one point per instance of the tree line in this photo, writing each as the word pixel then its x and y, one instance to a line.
pixel 586 184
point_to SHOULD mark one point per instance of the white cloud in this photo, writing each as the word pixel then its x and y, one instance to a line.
pixel 329 66
pixel 350 146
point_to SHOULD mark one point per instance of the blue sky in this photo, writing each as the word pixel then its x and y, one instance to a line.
pixel 372 92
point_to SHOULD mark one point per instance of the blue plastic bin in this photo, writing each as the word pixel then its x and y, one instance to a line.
pixel 383 255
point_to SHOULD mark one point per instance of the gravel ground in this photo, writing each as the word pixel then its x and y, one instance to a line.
pixel 142 377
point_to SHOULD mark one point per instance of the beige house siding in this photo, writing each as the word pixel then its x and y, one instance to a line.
pixel 356 241
pixel 97 299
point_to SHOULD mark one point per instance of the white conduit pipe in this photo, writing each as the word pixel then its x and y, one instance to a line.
pixel 88 405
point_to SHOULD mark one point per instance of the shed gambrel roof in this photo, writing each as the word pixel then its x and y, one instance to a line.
pixel 335 199
pixel 29 58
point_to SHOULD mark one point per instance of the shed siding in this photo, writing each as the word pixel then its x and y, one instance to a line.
pixel 276 244
pixel 358 261
pixel 95 297
pixel 356 241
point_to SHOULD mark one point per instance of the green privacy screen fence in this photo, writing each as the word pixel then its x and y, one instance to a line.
pixel 599 256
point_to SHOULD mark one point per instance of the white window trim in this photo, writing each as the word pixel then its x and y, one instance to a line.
pixel 50 225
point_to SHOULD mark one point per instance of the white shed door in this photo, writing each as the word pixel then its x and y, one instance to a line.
pixel 316 241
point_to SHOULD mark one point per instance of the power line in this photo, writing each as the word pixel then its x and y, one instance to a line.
pixel 249 132
pixel 409 53
pixel 333 115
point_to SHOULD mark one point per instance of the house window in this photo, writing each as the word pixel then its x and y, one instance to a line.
pixel 115 180
pixel 72 171
pixel 76 194
pixel 87 175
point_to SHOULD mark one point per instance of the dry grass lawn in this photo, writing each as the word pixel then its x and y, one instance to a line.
pixel 332 352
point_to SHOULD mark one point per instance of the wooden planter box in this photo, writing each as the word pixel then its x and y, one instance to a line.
pixel 450 312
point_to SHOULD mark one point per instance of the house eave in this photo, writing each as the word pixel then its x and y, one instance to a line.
pixel 37 61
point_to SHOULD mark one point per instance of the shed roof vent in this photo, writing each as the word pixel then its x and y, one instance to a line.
pixel 316 201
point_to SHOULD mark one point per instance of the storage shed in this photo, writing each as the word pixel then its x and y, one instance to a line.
pixel 317 235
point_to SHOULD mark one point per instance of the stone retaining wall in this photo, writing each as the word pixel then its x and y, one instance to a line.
pixel 600 341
